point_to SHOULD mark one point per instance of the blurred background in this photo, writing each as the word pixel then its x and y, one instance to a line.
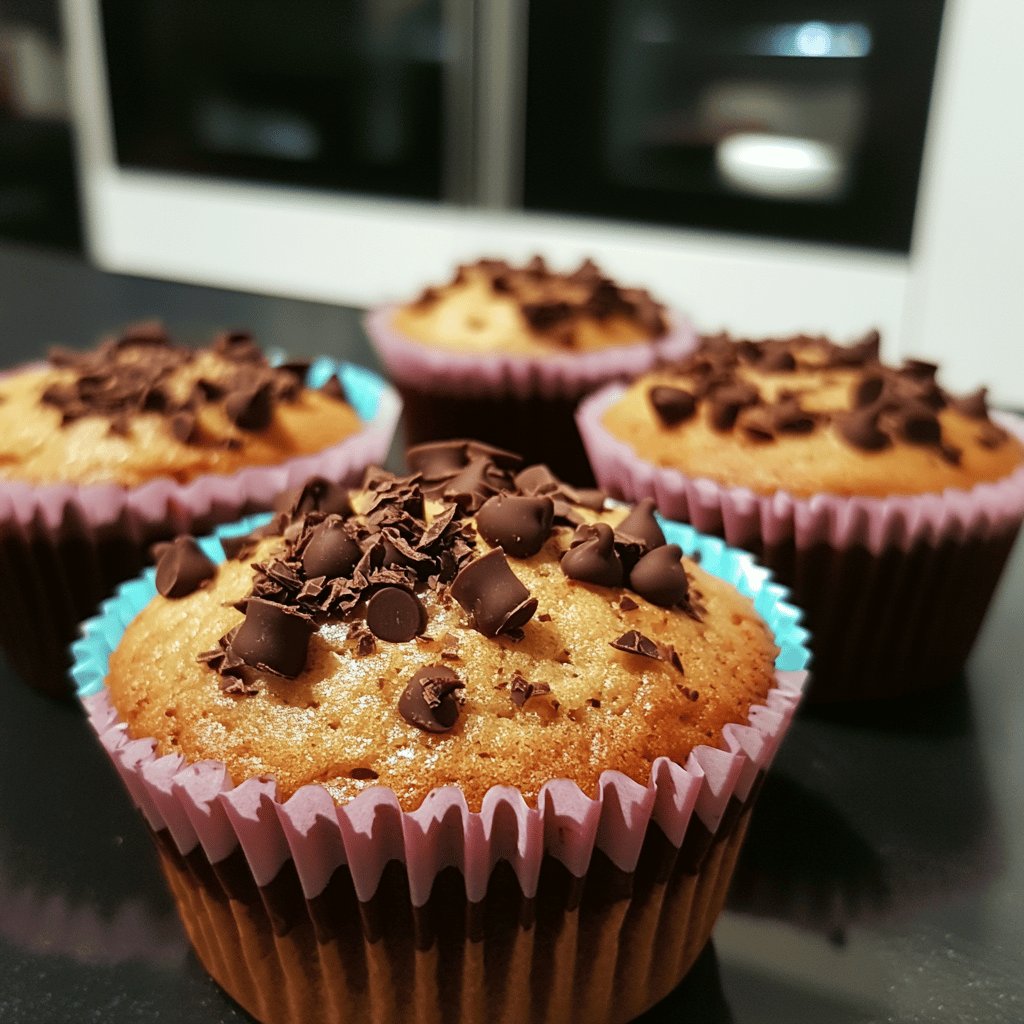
pixel 773 166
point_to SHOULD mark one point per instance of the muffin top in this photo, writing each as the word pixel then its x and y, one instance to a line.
pixel 139 407
pixel 806 416
pixel 492 306
pixel 473 624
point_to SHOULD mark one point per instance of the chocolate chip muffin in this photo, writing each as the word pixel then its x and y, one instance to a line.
pixel 868 488
pixel 511 349
pixel 106 451
pixel 503 662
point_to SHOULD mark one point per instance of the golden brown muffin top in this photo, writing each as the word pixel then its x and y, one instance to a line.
pixel 492 306
pixel 139 407
pixel 807 416
pixel 471 624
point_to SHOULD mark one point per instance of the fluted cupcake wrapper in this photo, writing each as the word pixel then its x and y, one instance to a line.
pixel 894 589
pixel 65 547
pixel 278 896
pixel 518 402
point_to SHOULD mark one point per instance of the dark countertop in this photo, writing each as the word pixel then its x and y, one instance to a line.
pixel 882 880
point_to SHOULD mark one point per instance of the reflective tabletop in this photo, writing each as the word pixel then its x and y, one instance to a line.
pixel 882 879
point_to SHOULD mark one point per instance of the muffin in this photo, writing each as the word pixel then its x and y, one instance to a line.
pixel 465 739
pixel 103 453
pixel 887 504
pixel 510 350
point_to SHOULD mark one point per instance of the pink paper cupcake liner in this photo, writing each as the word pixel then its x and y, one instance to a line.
pixel 519 402
pixel 894 589
pixel 254 874
pixel 67 546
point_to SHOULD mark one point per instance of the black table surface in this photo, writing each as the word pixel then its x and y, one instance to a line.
pixel 882 879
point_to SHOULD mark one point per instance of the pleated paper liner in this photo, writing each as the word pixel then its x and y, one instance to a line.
pixel 305 910
pixel 894 589
pixel 521 403
pixel 63 548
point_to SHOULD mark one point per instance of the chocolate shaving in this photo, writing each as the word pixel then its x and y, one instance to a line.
pixel 521 689
pixel 634 642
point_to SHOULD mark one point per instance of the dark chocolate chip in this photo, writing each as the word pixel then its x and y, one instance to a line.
pixel 641 524
pixel 991 436
pixel 789 418
pixel 660 578
pixel 672 405
pixel 593 558
pixel 517 523
pixel 727 402
pixel 183 427
pixel 779 360
pixel 181 568
pixel 542 316
pixel 759 425
pixel 238 347
pixel 250 408
pixel 330 551
pixel 634 642
pixel 860 429
pixel 921 426
pixel 437 460
pixel 273 638
pixel 974 405
pixel 429 699
pixel 321 495
pixel 521 689
pixel 918 369
pixel 492 595
pixel 395 615
pixel 868 391
pixel 627 604
pixel 333 388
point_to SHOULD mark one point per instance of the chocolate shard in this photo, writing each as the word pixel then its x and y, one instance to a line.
pixel 429 699
pixel 519 524
pixel 521 689
pixel 250 408
pixel 492 595
pixel 641 524
pixel 634 642
pixel 592 558
pixel 860 429
pixel 330 551
pixel 273 638
pixel 182 568
pixel 672 405
pixel 660 578
pixel 437 460
pixel 537 479
pixel 395 615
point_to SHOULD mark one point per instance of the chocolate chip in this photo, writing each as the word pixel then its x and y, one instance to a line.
pixel 587 497
pixel 920 426
pixel 727 402
pixel 634 642
pixel 627 604
pixel 521 690
pixel 918 369
pixel 395 615
pixel 868 391
pixel 429 699
pixel 492 595
pixel 183 427
pixel 238 347
pixel 759 424
pixel 273 638
pixel 437 460
pixel 333 388
pixel 181 568
pixel 780 360
pixel 641 524
pixel 991 436
pixel 544 315
pixel 364 640
pixel 672 405
pixel 517 523
pixel 592 558
pixel 660 578
pixel 321 495
pixel 330 551
pixel 789 418
pixel 250 408
pixel 974 405
pixel 860 429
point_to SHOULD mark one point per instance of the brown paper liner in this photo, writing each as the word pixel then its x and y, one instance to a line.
pixel 892 623
pixel 603 948
pixel 54 577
